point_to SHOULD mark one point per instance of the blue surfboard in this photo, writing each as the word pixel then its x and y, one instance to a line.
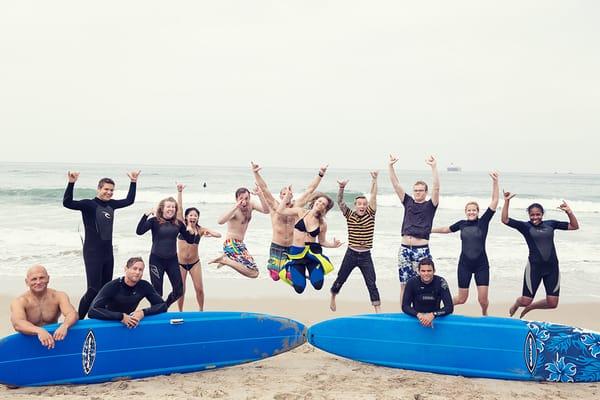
pixel 99 351
pixel 486 347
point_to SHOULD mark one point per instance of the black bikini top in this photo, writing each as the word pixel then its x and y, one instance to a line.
pixel 301 226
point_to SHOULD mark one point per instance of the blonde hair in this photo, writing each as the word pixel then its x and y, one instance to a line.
pixel 474 203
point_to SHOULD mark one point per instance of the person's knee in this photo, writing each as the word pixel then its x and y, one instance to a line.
pixel 525 301
pixel 299 289
pixel 552 302
pixel 317 284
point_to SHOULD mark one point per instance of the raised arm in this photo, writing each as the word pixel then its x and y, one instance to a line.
pixel 394 178
pixel 133 176
pixel 340 197
pixel 507 196
pixel 373 199
pixel 264 206
pixel 435 187
pixel 180 188
pixel 18 319
pixel 144 225
pixel 229 214
pixel 283 210
pixel 260 182
pixel 68 201
pixel 334 243
pixel 312 186
pixel 573 223
pixel 495 190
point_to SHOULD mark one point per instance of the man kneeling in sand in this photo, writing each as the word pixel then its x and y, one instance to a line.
pixel 41 306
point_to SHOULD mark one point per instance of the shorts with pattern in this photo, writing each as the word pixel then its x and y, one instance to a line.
pixel 408 258
pixel 277 259
pixel 236 250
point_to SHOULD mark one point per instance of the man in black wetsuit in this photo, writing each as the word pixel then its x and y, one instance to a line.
pixel 118 299
pixel 424 293
pixel 98 216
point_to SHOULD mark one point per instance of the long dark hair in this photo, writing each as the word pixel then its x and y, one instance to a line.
pixel 315 197
pixel 185 216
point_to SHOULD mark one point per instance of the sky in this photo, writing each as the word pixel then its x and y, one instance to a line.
pixel 505 85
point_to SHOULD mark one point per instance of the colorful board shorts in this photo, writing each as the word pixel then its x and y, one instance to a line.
pixel 236 250
pixel 277 259
pixel 408 258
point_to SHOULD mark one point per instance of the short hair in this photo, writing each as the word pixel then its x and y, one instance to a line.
pixel 535 205
pixel 359 197
pixel 422 183
pixel 472 203
pixel 241 191
pixel 426 261
pixel 104 181
pixel 133 260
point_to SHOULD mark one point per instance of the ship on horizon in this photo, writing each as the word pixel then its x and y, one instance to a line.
pixel 453 168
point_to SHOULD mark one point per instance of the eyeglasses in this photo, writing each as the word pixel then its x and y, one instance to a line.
pixel 419 190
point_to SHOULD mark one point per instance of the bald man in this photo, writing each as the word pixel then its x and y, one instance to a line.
pixel 41 306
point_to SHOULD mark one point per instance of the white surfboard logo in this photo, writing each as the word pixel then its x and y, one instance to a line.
pixel 88 353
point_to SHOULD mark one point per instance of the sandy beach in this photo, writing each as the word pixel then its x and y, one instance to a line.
pixel 309 373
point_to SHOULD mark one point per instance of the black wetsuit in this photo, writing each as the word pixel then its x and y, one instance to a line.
pixel 163 256
pixel 422 297
pixel 543 262
pixel 117 298
pixel 98 218
pixel 473 258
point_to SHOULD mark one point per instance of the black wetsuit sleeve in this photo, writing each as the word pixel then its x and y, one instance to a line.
pixel 126 201
pixel 158 305
pixel 68 201
pixel 456 226
pixel 518 225
pixel 407 300
pixel 487 215
pixel 446 299
pixel 189 237
pixel 98 309
pixel 144 225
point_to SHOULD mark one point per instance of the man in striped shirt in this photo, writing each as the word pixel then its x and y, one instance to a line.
pixel 361 225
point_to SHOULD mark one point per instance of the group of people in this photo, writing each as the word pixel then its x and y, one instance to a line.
pixel 296 251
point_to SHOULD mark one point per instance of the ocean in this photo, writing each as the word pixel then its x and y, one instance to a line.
pixel 36 227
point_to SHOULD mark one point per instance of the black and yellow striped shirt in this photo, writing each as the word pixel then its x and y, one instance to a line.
pixel 360 228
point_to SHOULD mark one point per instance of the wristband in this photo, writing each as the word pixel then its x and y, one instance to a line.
pixel 321 174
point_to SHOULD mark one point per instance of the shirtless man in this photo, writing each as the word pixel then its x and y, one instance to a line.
pixel 283 225
pixel 42 306
pixel 417 222
pixel 235 254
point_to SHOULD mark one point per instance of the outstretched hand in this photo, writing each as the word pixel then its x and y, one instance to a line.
pixel 180 187
pixel 72 176
pixel 342 184
pixel 133 175
pixel 508 195
pixel 393 159
pixel 255 167
pixel 374 174
pixel 323 169
pixel 494 175
pixel 337 243
pixel 565 207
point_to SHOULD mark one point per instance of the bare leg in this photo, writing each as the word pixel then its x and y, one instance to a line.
pixel 461 298
pixel 181 300
pixel 377 309
pixel 196 273
pixel 482 296
pixel 521 301
pixel 223 260
pixel 548 302
pixel 332 306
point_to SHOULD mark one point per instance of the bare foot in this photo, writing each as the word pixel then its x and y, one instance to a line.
pixel 513 310
pixel 377 309
pixel 332 303
pixel 218 261
pixel 525 311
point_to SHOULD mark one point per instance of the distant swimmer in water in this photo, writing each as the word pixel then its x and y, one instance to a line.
pixel 41 306
pixel 361 226
pixel 417 222
pixel 165 227
pixel 310 235
pixel 189 258
pixel 473 259
pixel 119 298
pixel 204 185
pixel 98 219
pixel 424 294
pixel 283 225
pixel 542 262
pixel 235 254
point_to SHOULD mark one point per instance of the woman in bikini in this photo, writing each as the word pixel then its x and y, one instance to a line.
pixel 189 258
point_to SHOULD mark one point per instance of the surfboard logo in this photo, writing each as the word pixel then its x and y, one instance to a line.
pixel 88 353
pixel 530 352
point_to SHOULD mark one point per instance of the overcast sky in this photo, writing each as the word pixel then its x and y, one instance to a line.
pixel 507 85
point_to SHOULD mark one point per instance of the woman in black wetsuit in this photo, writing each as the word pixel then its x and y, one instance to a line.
pixel 305 254
pixel 542 260
pixel 473 259
pixel 165 228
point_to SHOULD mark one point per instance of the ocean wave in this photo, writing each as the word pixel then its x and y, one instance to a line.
pixel 46 195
